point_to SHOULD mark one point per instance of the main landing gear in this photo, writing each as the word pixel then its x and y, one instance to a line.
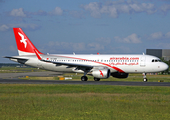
pixel 96 79
pixel 144 77
pixel 84 78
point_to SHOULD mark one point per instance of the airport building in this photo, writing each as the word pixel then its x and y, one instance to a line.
pixel 161 53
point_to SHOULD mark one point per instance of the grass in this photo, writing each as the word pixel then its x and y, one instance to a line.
pixel 74 102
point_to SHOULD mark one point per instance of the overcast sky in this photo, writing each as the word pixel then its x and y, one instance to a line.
pixel 86 26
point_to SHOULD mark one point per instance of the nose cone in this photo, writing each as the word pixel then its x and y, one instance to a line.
pixel 164 67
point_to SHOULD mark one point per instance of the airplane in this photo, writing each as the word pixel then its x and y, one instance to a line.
pixel 99 66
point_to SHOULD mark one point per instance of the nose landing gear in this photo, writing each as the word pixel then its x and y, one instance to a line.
pixel 144 77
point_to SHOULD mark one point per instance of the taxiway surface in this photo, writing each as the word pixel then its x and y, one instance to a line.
pixel 37 74
pixel 123 83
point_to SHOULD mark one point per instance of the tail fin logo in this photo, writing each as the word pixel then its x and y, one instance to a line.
pixel 23 40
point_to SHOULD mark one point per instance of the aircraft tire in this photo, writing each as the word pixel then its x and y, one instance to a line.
pixel 84 78
pixel 96 79
pixel 145 79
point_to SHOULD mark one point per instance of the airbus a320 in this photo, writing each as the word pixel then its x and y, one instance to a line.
pixel 99 66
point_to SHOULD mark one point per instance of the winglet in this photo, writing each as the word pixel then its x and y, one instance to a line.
pixel 37 54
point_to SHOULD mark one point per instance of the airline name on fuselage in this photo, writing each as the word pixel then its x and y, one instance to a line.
pixel 124 58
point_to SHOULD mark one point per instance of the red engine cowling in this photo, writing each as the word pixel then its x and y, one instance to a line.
pixel 103 73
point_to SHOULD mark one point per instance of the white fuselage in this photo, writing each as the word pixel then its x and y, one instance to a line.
pixel 120 63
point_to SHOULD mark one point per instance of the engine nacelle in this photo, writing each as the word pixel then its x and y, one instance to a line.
pixel 103 73
pixel 120 75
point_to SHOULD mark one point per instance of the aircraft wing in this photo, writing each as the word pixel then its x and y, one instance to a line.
pixel 79 66
pixel 69 64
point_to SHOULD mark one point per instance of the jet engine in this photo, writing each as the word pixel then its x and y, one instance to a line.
pixel 119 75
pixel 101 73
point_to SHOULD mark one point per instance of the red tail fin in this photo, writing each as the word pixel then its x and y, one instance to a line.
pixel 25 46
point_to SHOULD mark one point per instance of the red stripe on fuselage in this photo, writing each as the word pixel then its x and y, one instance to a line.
pixel 116 68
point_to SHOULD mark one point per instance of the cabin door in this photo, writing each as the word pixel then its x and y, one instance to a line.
pixel 142 61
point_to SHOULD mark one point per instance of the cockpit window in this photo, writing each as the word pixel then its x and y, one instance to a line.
pixel 156 60
pixel 159 61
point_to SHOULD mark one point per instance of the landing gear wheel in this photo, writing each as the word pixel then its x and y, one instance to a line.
pixel 84 78
pixel 145 79
pixel 96 79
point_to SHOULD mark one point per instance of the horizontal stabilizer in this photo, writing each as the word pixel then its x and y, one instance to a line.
pixel 15 58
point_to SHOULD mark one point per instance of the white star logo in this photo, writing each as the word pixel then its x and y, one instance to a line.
pixel 23 40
